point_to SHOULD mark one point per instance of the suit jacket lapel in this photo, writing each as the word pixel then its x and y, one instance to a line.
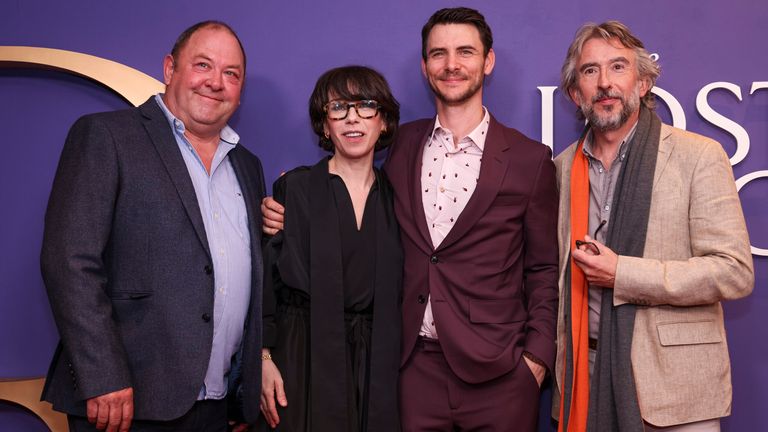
pixel 252 197
pixel 493 168
pixel 665 150
pixel 414 171
pixel 159 132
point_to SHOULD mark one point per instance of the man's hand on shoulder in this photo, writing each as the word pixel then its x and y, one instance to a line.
pixel 273 214
pixel 112 411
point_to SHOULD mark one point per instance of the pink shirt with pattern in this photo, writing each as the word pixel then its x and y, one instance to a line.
pixel 449 174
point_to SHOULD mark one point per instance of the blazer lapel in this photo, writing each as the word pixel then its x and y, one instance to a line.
pixel 251 196
pixel 159 132
pixel 665 150
pixel 414 171
pixel 493 168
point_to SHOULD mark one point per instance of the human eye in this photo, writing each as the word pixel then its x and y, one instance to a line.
pixel 202 65
pixel 589 71
pixel 619 67
pixel 466 52
pixel 371 104
pixel 232 74
pixel 337 106
pixel 437 54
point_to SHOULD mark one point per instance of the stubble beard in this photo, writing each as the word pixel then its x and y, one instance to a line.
pixel 456 100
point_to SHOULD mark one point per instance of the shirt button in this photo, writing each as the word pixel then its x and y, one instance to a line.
pixel 607 208
pixel 442 189
pixel 206 317
pixel 421 299
pixel 433 259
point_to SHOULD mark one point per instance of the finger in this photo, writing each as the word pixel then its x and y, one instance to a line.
pixel 280 390
pixel 125 425
pixel 115 417
pixel 266 396
pixel 272 410
pixel 271 205
pixel 269 231
pixel 102 417
pixel 272 221
pixel 91 409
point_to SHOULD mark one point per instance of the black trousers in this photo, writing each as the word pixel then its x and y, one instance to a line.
pixel 204 416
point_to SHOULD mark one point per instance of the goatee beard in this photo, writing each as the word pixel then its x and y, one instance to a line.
pixel 612 121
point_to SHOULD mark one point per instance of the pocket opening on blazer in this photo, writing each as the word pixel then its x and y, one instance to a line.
pixel 689 333
pixel 128 295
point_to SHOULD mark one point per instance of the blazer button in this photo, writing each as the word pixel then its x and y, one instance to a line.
pixel 421 299
pixel 206 317
pixel 208 269
pixel 433 259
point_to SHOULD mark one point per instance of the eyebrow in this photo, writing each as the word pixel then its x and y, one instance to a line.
pixel 459 48
pixel 620 59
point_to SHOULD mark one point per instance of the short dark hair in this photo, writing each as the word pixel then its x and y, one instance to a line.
pixel 354 83
pixel 183 38
pixel 458 15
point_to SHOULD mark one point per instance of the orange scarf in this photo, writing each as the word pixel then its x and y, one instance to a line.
pixel 579 400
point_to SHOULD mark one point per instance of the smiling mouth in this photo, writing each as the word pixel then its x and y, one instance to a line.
pixel 353 134
pixel 209 97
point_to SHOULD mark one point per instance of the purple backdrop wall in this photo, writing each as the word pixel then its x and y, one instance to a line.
pixel 290 43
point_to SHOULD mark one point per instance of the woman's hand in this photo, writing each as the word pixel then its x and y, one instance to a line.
pixel 271 389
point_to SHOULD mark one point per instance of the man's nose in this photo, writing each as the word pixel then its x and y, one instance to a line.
pixel 603 79
pixel 215 81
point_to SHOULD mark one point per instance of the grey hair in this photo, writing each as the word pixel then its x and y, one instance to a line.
pixel 647 68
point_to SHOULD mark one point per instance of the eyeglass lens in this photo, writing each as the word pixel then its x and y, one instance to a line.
pixel 338 110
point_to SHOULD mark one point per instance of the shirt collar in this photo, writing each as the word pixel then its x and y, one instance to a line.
pixel 622 148
pixel 477 135
pixel 227 135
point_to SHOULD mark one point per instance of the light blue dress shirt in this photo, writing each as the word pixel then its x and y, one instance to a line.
pixel 222 207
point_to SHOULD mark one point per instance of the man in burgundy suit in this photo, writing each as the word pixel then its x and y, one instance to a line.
pixel 477 207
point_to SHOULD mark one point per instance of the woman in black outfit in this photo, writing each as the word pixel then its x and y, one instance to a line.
pixel 333 275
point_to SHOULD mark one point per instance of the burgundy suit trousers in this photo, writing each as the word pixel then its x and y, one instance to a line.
pixel 433 398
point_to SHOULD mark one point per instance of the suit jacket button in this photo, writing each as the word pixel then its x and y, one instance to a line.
pixel 421 299
pixel 206 317
pixel 433 259
pixel 208 269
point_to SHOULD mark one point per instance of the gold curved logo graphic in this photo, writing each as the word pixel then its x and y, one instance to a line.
pixel 133 85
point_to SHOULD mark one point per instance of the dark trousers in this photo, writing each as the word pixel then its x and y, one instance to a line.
pixel 433 398
pixel 204 416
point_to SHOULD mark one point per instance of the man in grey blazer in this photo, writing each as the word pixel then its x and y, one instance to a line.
pixel 151 252
pixel 652 239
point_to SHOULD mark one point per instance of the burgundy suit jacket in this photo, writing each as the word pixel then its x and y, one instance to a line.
pixel 493 279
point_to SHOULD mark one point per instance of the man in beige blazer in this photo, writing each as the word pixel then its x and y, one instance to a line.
pixel 653 324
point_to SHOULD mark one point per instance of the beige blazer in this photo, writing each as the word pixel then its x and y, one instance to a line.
pixel 696 255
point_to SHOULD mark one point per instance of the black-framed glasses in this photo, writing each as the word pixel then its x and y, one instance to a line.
pixel 591 245
pixel 338 110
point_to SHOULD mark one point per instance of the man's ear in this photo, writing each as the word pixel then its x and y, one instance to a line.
pixel 168 67
pixel 490 62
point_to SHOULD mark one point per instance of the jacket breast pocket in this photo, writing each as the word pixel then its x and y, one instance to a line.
pixel 689 333
pixel 496 311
